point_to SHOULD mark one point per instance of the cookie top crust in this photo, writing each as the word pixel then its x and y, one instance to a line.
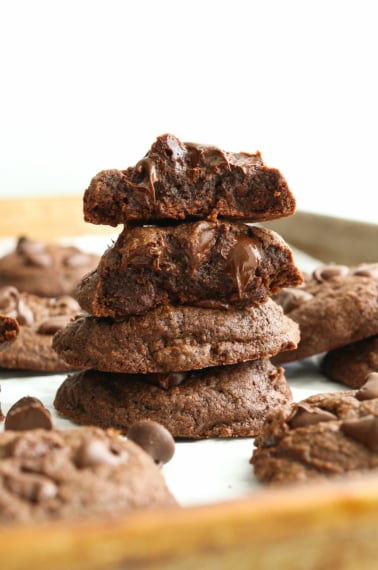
pixel 324 435
pixel 38 319
pixel 45 269
pixel 176 338
pixel 336 306
pixel 225 401
pixel 181 181
pixel 208 264
pixel 75 474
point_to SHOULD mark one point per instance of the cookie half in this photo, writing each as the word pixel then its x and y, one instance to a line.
pixel 207 264
pixel 226 401
pixel 181 181
pixel 38 319
pixel 75 474
pixel 323 436
pixel 45 269
pixel 176 338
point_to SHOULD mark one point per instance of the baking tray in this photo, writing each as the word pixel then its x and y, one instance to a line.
pixel 227 519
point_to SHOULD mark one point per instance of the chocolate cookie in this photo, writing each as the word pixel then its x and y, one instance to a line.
pixel 9 331
pixel 225 401
pixel 336 306
pixel 38 318
pixel 49 270
pixel 322 436
pixel 181 181
pixel 75 474
pixel 207 264
pixel 352 363
pixel 176 338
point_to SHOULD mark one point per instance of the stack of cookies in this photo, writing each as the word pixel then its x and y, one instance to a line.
pixel 180 326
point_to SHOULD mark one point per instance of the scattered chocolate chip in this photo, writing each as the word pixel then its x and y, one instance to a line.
pixel 154 438
pixel 369 390
pixel 305 416
pixel 28 413
pixel 364 430
pixel 331 271
pixel 95 452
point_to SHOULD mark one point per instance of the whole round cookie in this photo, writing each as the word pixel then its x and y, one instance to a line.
pixel 38 319
pixel 75 474
pixel 336 306
pixel 352 363
pixel 46 269
pixel 176 338
pixel 323 436
pixel 225 401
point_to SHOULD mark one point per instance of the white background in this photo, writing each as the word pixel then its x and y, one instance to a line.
pixel 88 85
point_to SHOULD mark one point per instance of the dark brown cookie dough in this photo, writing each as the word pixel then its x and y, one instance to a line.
pixel 208 264
pixel 75 474
pixel 176 338
pixel 183 181
pixel 38 318
pixel 352 363
pixel 45 269
pixel 325 435
pixel 336 306
pixel 226 401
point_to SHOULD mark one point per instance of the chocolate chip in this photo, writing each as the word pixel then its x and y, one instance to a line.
pixel 28 413
pixel 363 430
pixel 53 324
pixel 331 271
pixel 76 260
pixel 369 390
pixel 8 298
pixel 24 314
pixel 154 438
pixel 94 452
pixel 31 487
pixel 64 303
pixel 367 270
pixel 26 245
pixel 305 416
pixel 38 258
